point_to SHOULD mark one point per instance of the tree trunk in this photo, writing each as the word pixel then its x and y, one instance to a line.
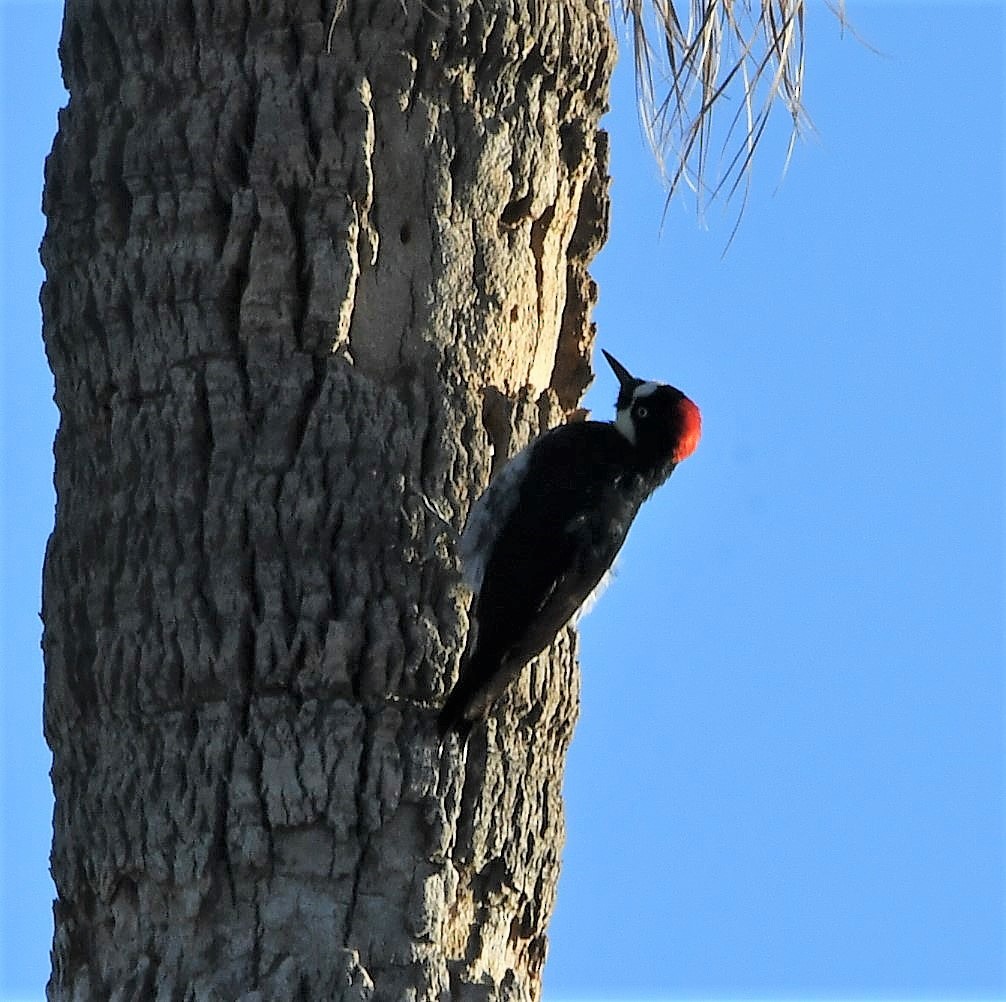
pixel 290 292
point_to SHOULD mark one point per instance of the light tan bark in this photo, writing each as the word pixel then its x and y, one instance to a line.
pixel 289 293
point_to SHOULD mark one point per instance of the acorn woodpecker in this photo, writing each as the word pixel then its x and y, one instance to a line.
pixel 541 539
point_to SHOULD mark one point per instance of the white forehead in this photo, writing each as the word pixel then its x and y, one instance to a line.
pixel 645 390
pixel 623 419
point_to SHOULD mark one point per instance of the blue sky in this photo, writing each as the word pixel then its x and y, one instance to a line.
pixel 787 779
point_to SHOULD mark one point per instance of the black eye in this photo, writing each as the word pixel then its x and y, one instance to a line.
pixel 641 412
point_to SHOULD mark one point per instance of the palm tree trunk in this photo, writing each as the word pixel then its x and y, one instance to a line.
pixel 290 293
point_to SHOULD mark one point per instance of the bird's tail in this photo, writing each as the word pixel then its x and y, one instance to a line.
pixel 454 714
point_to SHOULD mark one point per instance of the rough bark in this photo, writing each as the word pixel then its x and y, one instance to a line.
pixel 290 292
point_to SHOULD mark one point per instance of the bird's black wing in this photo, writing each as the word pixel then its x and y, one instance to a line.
pixel 570 520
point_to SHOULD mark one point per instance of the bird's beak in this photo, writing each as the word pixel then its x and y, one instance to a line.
pixel 625 378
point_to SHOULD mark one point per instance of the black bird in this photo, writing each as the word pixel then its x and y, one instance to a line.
pixel 541 539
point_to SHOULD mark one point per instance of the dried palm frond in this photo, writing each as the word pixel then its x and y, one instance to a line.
pixel 688 64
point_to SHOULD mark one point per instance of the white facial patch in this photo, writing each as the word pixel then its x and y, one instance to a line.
pixel 623 422
pixel 623 417
pixel 645 390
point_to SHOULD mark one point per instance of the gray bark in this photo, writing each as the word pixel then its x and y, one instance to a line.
pixel 289 292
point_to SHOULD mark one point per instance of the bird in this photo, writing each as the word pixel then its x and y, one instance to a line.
pixel 540 541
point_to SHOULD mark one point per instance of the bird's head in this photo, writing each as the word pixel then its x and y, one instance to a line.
pixel 657 419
